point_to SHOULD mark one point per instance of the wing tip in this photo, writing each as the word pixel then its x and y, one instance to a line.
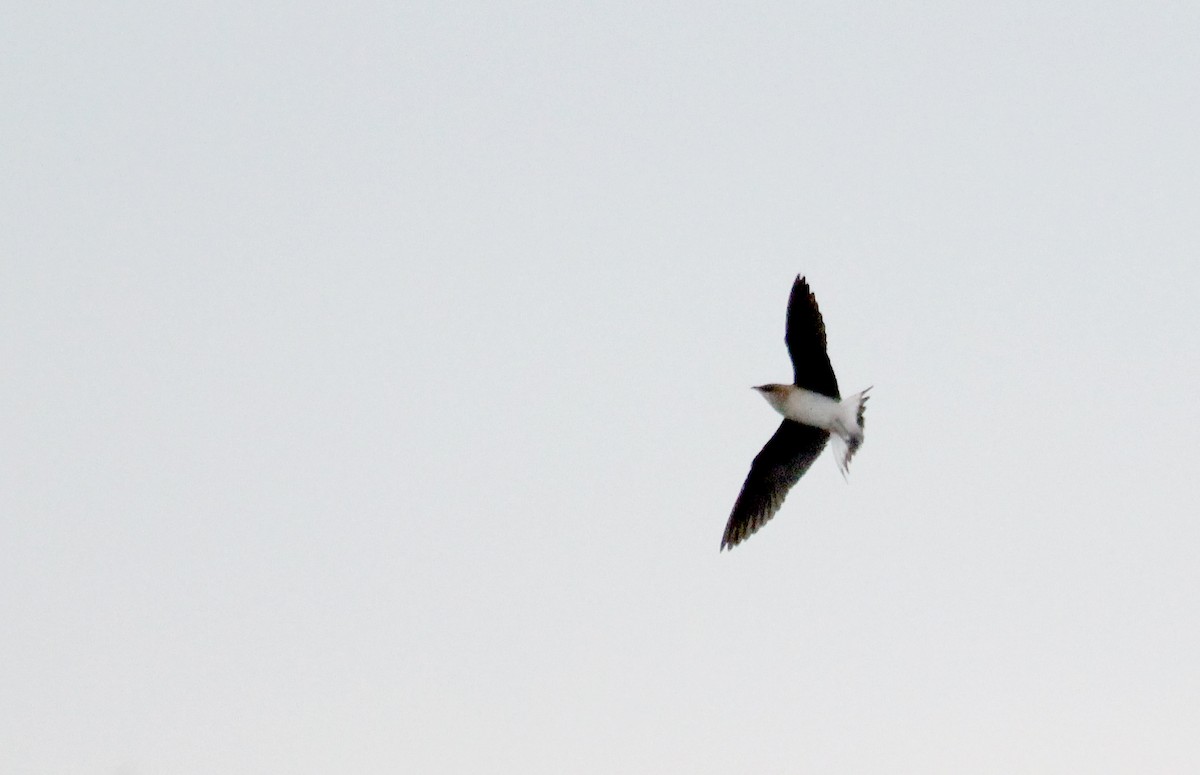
pixel 740 527
pixel 736 534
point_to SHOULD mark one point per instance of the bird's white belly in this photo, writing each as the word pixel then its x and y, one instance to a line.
pixel 809 408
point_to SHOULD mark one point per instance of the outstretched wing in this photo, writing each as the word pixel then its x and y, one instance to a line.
pixel 777 467
pixel 806 342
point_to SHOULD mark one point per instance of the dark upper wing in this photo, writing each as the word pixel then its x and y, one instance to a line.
pixel 777 467
pixel 806 342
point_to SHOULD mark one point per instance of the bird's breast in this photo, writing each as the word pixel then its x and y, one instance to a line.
pixel 809 408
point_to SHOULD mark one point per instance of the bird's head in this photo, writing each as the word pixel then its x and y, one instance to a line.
pixel 775 394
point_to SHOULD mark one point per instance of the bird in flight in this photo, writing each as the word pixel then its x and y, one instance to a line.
pixel 813 411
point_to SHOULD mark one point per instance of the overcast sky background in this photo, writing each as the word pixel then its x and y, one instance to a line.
pixel 375 387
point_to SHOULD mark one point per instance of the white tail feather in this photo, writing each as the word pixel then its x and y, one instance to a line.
pixel 851 430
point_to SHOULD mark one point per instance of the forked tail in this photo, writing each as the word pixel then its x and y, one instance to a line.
pixel 846 444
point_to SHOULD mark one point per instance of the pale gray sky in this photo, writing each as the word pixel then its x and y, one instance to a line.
pixel 376 387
